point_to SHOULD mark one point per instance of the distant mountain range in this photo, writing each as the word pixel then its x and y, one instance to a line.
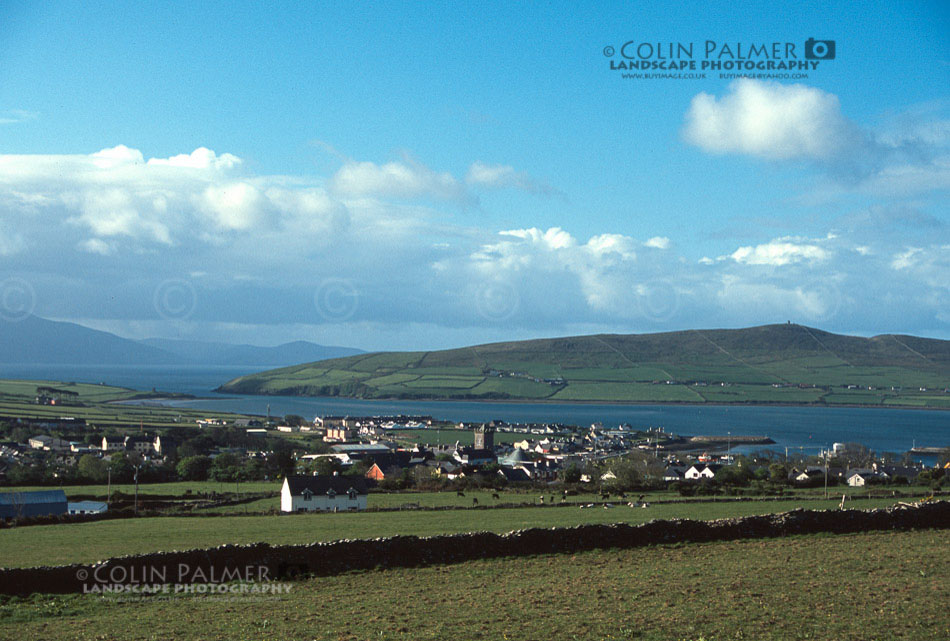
pixel 785 364
pixel 36 340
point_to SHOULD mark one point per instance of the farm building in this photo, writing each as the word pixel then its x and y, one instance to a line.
pixel 41 503
pixel 375 473
pixel 322 494
pixel 88 507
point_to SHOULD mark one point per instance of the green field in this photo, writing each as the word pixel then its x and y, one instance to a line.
pixel 755 365
pixel 856 587
pixel 178 488
pixel 61 544
pixel 425 499
pixel 97 404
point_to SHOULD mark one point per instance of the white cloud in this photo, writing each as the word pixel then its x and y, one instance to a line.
pixel 658 242
pixel 796 122
pixel 906 178
pixel 769 120
pixel 233 206
pixel 928 267
pixel 10 242
pixel 96 246
pixel 505 177
pixel 906 259
pixel 782 251
pixel 553 238
pixel 543 258
pixel 13 116
pixel 200 158
pixel 814 302
pixel 405 180
pixel 116 156
pixel 114 212
pixel 137 221
pixel 117 194
pixel 611 246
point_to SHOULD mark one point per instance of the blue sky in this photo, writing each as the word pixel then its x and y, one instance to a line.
pixel 401 175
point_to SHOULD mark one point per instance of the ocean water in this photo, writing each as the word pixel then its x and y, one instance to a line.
pixel 802 428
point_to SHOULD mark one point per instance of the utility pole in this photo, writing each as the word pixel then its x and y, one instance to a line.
pixel 826 474
pixel 136 478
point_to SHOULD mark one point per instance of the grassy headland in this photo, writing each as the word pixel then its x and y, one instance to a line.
pixel 783 364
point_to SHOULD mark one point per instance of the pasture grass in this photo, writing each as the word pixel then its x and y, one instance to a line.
pixel 855 587
pixel 66 543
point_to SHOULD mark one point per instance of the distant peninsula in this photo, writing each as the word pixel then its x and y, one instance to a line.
pixel 785 364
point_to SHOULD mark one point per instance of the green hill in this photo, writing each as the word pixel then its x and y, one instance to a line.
pixel 768 364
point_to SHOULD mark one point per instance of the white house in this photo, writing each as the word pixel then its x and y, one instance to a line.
pixel 702 471
pixel 113 443
pixel 322 494
pixel 858 478
pixel 48 443
pixel 138 444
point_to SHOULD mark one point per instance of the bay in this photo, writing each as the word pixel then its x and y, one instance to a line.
pixel 803 428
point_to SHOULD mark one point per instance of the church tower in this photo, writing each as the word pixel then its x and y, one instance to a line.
pixel 485 437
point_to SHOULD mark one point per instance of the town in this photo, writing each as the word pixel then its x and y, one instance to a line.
pixel 354 455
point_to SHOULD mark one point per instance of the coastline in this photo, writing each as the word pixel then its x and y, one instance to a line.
pixel 545 401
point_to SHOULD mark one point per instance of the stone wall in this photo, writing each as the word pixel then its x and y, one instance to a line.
pixel 263 562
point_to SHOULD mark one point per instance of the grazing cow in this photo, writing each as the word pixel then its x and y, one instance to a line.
pixel 494 495
pixel 604 495
pixel 460 493
pixel 542 499
pixel 622 496
pixel 474 501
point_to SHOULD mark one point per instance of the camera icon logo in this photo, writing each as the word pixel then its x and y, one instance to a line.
pixel 819 49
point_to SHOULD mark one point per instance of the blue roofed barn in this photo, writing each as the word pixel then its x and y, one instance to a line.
pixel 23 504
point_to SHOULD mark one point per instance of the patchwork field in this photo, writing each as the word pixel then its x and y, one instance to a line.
pixel 861 587
pixel 770 364
pixel 98 404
